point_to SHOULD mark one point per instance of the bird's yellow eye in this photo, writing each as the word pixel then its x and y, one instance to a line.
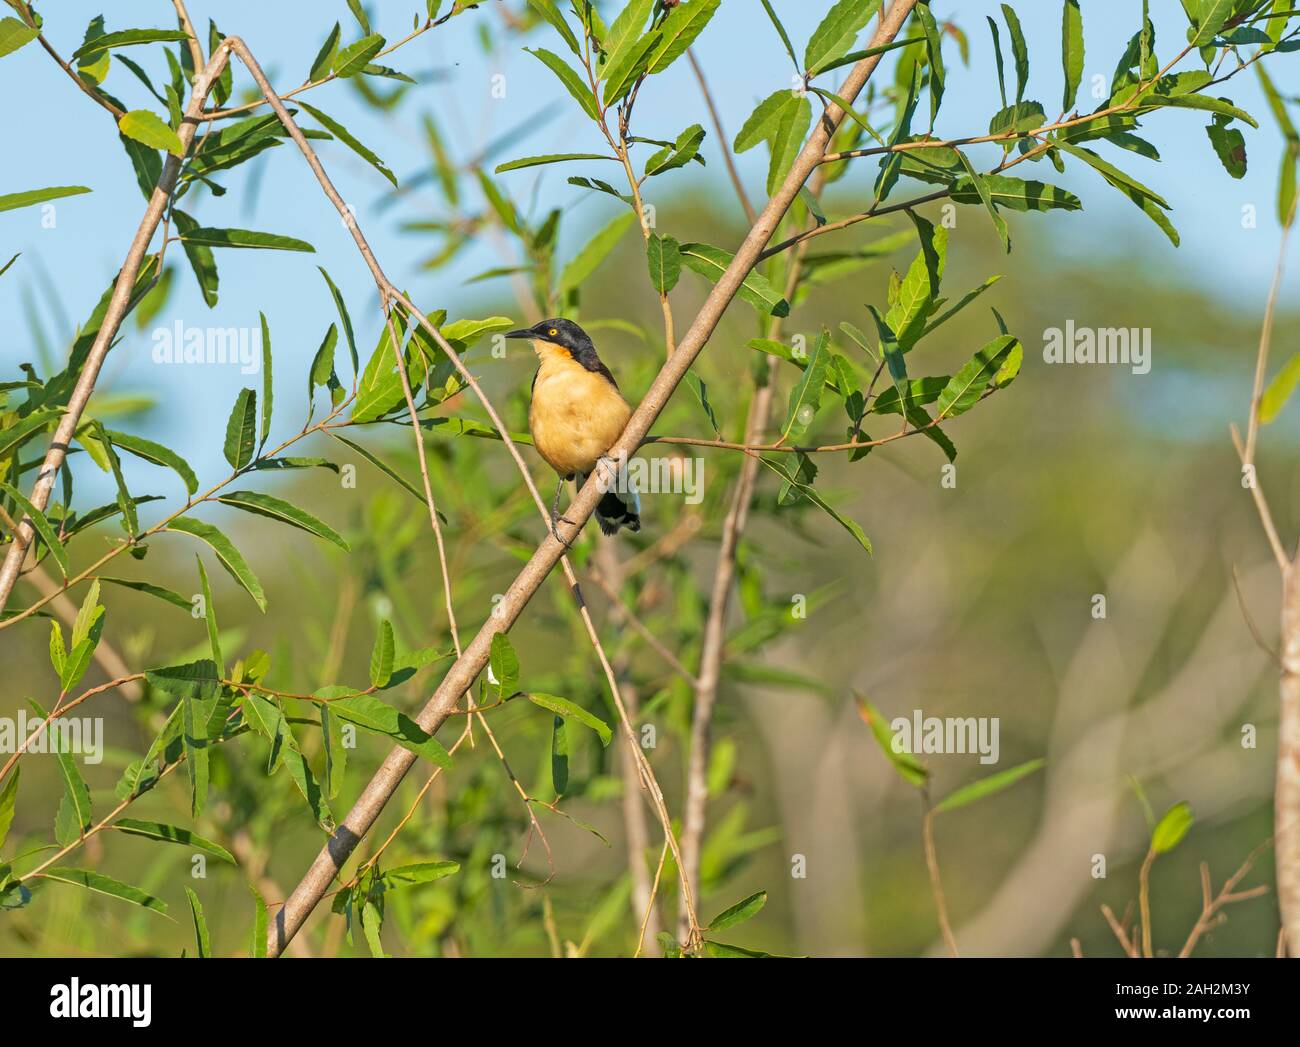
pixel 553 331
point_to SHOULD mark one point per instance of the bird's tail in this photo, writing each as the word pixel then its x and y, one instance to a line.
pixel 617 509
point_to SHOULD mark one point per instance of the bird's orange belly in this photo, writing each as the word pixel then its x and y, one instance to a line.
pixel 575 417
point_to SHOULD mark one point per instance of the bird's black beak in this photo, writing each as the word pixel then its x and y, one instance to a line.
pixel 523 332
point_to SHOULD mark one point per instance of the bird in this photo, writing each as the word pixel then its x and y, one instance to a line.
pixel 576 415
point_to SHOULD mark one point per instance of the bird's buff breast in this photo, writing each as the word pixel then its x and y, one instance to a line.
pixel 576 415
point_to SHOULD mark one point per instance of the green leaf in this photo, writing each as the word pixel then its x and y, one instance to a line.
pixel 171 596
pixel 1143 197
pixel 569 78
pixel 626 66
pixel 701 392
pixel 261 920
pixel 807 491
pixel 711 262
pixel 8 800
pixel 42 526
pixel 200 257
pixel 781 120
pixel 625 31
pixel 547 10
pixel 157 454
pixel 321 373
pixel 1213 15
pixel 681 152
pixel 1205 103
pixel 241 430
pixel 172 834
pixel 1171 828
pixel 965 388
pixel 15 34
pixel 101 884
pixel 1279 390
pixel 75 793
pixel 805 397
pixel 934 51
pixel 381 656
pixel 909 768
pixel 1229 146
pixel 231 558
pixel 245 238
pixel 664 257
pixel 738 913
pixel 684 23
pixel 352 59
pixel 344 319
pixel 836 32
pixel 11 201
pixel 203 943
pixel 210 618
pixel 549 158
pixel 371 714
pixel 320 66
pixel 346 137
pixel 919 291
pixel 268 390
pixel 150 129
pixel 987 786
pixel 128 38
pixel 382 466
pixel 559 756
pixel 503 667
pixel 596 250
pixel 999 223
pixel 380 387
pixel 785 37
pixel 277 509
pixel 418 872
pixel 1071 52
pixel 1019 51
pixel 268 720
pixel 567 709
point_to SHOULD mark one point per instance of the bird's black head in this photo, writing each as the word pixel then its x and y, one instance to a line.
pixel 558 331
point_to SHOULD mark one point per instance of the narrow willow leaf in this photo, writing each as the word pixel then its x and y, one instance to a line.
pixel 805 397
pixel 1071 52
pixel 245 238
pixel 231 558
pixel 278 509
pixel 626 66
pixel 381 656
pixel 780 31
pixel 999 223
pixel 1153 205
pixel 1279 390
pixel 128 38
pixel 172 834
pixel 268 389
pixel 148 128
pixel 934 51
pixel 836 32
pixel 701 392
pixel 738 913
pixel 346 137
pixel 352 59
pixel 75 792
pixel 664 257
pixel 210 618
pixel 548 11
pixel 567 709
pixel 10 201
pixel 418 872
pixel 157 454
pixel 559 756
pixel 909 768
pixel 171 596
pixel 320 66
pixel 42 526
pixel 344 319
pixel 683 24
pixel 382 466
pixel 597 249
pixel 101 884
pixel 241 430
pixel 1171 828
pixel 371 714
pixel 200 256
pixel 1019 50
pixel 987 786
pixel 261 922
pixel 549 158
pixel 573 83
pixel 807 491
pixel 711 262
pixel 202 940
pixel 1213 15
pixel 8 800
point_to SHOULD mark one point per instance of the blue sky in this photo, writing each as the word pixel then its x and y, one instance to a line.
pixel 57 136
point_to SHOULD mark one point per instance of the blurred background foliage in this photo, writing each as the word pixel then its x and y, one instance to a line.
pixel 977 602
